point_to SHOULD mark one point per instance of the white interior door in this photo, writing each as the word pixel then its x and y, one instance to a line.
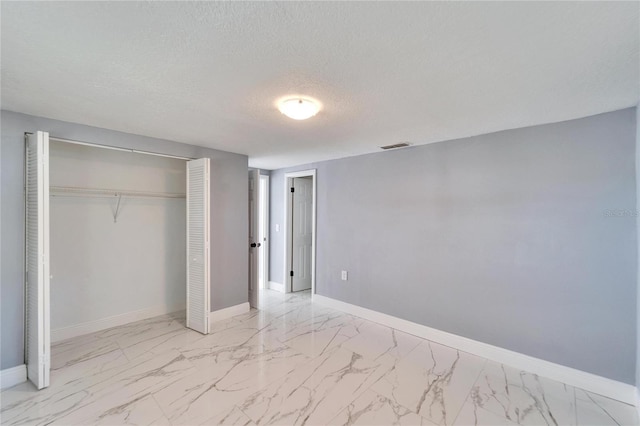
pixel 198 258
pixel 37 336
pixel 302 233
pixel 254 240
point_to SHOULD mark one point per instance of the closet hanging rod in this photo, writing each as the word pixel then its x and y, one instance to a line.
pixel 136 151
pixel 115 148
pixel 104 192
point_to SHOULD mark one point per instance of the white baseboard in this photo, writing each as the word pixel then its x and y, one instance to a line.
pixel 276 286
pixel 114 321
pixel 229 312
pixel 580 379
pixel 13 376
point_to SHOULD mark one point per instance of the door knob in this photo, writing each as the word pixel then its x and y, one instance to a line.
pixel 254 245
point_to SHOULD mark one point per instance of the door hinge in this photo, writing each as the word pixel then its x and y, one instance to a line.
pixel 293 189
pixel 290 273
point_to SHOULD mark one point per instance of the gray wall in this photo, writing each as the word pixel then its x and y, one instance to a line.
pixel 503 238
pixel 229 208
pixel 102 268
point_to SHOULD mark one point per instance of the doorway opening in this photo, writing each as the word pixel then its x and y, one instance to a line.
pixel 263 233
pixel 258 235
pixel 300 231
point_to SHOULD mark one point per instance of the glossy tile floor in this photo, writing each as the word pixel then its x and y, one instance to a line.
pixel 291 362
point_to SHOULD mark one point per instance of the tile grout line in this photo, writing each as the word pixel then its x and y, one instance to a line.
pixel 484 364
pixel 575 405
pixel 242 411
pixel 164 413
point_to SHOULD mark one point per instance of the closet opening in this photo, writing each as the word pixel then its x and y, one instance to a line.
pixel 118 237
pixel 112 236
pixel 258 236
pixel 263 232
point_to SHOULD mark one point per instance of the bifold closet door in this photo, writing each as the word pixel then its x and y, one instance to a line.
pixel 37 326
pixel 198 259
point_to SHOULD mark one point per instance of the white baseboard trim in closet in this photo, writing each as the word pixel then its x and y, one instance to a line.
pixel 581 379
pixel 114 321
pixel 276 286
pixel 229 312
pixel 13 376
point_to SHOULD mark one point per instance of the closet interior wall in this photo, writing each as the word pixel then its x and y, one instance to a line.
pixel 103 268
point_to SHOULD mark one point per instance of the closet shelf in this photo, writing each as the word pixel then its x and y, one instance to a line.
pixel 100 192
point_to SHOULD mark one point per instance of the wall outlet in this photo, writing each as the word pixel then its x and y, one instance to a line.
pixel 345 277
pixel 277 228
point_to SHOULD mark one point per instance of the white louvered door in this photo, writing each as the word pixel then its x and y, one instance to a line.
pixel 198 259
pixel 37 324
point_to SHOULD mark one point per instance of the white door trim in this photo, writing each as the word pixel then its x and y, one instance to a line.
pixel 288 221
pixel 265 226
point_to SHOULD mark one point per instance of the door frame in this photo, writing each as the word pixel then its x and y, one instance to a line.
pixel 264 226
pixel 288 223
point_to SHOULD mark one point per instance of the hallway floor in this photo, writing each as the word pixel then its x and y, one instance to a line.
pixel 291 362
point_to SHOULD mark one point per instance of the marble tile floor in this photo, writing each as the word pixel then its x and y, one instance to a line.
pixel 290 363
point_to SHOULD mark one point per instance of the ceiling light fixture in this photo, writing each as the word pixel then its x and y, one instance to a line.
pixel 299 108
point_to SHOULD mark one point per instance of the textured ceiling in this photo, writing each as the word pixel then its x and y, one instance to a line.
pixel 208 73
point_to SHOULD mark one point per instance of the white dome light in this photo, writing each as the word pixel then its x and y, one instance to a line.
pixel 298 108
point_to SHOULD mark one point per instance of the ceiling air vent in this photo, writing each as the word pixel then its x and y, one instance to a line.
pixel 395 145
